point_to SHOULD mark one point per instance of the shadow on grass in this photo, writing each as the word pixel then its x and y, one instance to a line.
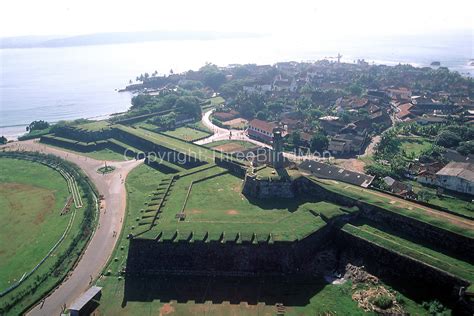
pixel 288 290
pixel 280 203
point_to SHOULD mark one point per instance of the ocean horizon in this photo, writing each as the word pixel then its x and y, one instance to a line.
pixel 67 83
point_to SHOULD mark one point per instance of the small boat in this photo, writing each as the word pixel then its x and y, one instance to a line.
pixel 435 63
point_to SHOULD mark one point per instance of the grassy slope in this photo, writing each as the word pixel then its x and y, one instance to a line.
pixel 413 250
pixel 447 200
pixel 29 215
pixel 370 196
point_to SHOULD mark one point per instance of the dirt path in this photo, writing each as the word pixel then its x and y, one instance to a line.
pixel 102 244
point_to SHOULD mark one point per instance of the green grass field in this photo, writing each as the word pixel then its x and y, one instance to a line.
pixel 186 133
pixel 414 145
pixel 216 206
pixel 94 126
pixel 31 198
pixel 233 145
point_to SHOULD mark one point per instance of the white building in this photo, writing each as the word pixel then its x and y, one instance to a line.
pixel 457 176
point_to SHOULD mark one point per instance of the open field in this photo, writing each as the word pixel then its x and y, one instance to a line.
pixel 31 199
pixel 230 146
pixel 414 145
pixel 29 231
pixel 187 134
pixel 237 123
pixel 200 125
pixel 175 144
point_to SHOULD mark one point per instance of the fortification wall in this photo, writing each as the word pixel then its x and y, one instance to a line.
pixel 267 188
pixel 235 168
pixel 159 152
pixel 460 245
pixel 391 266
pixel 228 258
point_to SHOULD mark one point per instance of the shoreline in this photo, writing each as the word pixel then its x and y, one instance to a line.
pixel 12 132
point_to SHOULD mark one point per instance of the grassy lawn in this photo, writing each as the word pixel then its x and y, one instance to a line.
pixel 94 126
pixel 413 250
pixel 216 206
pixel 231 145
pixel 414 145
pixel 31 198
pixel 29 215
pixel 187 134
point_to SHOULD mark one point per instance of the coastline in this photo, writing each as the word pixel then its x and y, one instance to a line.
pixel 12 132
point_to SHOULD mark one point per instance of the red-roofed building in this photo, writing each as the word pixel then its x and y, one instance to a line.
pixel 404 113
pixel 261 130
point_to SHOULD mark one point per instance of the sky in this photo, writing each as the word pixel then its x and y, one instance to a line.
pixel 328 18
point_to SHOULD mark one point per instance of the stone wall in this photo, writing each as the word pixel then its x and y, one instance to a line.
pixel 461 246
pixel 228 258
pixel 392 266
pixel 267 188
pixel 235 168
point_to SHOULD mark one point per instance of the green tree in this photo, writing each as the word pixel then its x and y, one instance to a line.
pixel 295 138
pixel 261 115
pixel 319 142
pixel 37 125
pixel 3 140
pixel 189 105
pixel 448 139
pixel 466 148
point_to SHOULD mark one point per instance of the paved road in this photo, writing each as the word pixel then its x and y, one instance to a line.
pixel 102 244
pixel 225 134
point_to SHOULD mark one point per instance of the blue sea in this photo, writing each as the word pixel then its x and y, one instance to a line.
pixel 65 83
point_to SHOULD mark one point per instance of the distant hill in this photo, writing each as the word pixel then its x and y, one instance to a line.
pixel 115 38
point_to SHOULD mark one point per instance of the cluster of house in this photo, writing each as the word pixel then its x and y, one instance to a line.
pixel 457 175
pixel 428 108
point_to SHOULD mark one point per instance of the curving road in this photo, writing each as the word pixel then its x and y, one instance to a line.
pixel 102 244
pixel 225 134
